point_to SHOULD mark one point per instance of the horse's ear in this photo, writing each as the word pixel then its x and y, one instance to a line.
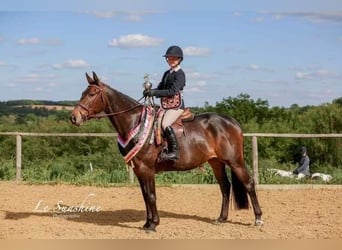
pixel 89 79
pixel 96 79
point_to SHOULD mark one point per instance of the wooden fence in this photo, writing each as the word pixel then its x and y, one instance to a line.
pixel 254 136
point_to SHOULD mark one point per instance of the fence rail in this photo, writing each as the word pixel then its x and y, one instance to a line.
pixel 254 136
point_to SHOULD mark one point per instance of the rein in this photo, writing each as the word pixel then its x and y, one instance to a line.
pixel 100 93
pixel 115 113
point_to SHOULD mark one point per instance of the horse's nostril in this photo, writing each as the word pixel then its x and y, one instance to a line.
pixel 73 119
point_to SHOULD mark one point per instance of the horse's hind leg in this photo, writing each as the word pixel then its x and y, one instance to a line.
pixel 221 177
pixel 240 176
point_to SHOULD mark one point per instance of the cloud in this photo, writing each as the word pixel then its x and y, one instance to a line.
pixel 316 74
pixel 72 64
pixel 38 41
pixel 29 78
pixel 5 65
pixel 303 75
pixel 327 16
pixel 130 16
pixel 135 41
pixel 195 75
pixel 196 86
pixel 133 17
pixel 196 51
pixel 34 78
pixel 259 19
pixel 103 14
pixel 251 67
pixel 29 41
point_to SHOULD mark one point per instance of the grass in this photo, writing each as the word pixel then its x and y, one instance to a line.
pixel 56 171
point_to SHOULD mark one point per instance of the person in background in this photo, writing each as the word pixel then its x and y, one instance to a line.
pixel 304 163
pixel 170 90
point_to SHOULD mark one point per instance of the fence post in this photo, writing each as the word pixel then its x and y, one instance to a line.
pixel 18 157
pixel 255 159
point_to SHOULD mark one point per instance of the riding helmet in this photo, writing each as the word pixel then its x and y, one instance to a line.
pixel 174 51
pixel 302 150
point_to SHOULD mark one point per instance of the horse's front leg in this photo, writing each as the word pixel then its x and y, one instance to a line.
pixel 147 184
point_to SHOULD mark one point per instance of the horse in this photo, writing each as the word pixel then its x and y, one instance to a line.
pixel 209 137
pixel 290 174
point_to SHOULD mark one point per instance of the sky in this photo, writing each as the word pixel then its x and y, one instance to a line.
pixel 285 52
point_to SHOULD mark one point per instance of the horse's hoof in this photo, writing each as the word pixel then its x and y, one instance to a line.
pixel 259 223
pixel 220 221
pixel 149 227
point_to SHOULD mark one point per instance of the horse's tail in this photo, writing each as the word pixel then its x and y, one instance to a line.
pixel 239 193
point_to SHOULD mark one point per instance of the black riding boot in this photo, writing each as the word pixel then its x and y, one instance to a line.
pixel 172 152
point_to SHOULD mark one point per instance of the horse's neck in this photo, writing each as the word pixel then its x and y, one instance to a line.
pixel 125 121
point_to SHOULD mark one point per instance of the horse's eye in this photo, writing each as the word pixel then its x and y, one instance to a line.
pixel 92 93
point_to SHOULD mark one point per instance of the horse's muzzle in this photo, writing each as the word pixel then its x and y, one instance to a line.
pixel 76 118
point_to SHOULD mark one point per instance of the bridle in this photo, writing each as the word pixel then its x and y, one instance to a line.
pixel 104 98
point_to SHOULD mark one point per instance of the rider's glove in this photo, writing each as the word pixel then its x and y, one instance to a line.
pixel 149 92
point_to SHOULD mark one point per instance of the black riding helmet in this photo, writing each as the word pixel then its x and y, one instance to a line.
pixel 302 150
pixel 174 51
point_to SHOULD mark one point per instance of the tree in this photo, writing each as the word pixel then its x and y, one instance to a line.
pixel 338 101
pixel 243 108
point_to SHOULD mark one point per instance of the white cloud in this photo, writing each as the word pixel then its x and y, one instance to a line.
pixel 104 14
pixel 134 17
pixel 196 86
pixel 38 89
pixel 72 64
pixel 323 16
pixel 130 16
pixel 196 51
pixel 29 78
pixel 38 41
pixel 259 19
pixel 255 67
pixel 135 41
pixel 303 75
pixel 251 67
pixel 316 74
pixel 34 81
pixel 29 41
pixel 195 75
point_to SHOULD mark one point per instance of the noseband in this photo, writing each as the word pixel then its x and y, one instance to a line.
pixel 104 98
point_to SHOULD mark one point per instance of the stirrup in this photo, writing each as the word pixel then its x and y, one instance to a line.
pixel 168 156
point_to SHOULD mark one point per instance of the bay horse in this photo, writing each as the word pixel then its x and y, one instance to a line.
pixel 209 137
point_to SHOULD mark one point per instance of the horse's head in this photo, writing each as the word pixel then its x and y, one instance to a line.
pixel 91 103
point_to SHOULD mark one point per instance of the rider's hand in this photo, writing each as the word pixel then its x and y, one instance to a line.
pixel 147 92
pixel 150 92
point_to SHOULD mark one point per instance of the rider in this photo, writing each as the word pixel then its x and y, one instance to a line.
pixel 170 91
pixel 304 163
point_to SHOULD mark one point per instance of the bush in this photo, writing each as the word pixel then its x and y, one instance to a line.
pixel 7 169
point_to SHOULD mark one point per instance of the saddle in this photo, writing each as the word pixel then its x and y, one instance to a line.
pixel 177 126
